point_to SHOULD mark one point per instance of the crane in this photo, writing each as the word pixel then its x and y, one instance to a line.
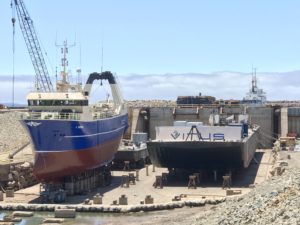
pixel 43 81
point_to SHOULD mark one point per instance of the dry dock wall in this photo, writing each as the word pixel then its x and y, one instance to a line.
pixel 292 120
pixel 263 116
pixel 159 117
pixel 249 148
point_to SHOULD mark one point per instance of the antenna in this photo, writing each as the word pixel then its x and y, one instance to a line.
pixel 13 20
pixel 102 55
pixel 64 62
pixel 79 77
pixel 255 80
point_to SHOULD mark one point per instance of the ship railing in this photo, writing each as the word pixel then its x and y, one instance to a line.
pixel 103 115
pixel 64 116
pixel 51 115
pixel 67 116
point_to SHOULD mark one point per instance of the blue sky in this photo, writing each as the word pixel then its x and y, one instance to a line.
pixel 161 37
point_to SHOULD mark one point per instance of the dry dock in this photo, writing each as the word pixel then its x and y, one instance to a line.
pixel 208 188
pixel 135 193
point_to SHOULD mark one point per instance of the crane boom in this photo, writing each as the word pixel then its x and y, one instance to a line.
pixel 43 81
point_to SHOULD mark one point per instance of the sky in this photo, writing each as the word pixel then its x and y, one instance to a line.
pixel 163 39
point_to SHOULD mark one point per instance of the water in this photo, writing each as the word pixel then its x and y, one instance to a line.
pixel 90 218
pixel 81 218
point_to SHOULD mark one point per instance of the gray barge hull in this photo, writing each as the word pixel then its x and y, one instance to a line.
pixel 203 154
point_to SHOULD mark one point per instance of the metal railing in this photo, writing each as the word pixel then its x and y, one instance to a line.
pixel 102 115
pixel 51 115
pixel 65 116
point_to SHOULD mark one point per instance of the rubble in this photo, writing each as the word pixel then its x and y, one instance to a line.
pixel 21 176
pixel 13 135
pixel 150 103
pixel 276 201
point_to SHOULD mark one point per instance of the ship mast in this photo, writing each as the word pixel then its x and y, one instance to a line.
pixel 63 84
pixel 254 80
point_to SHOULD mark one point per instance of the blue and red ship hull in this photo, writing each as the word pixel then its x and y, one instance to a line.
pixel 70 147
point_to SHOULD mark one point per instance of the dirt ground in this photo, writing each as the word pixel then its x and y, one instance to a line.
pixel 189 215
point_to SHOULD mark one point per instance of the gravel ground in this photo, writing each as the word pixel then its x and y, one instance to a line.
pixel 275 201
pixel 12 134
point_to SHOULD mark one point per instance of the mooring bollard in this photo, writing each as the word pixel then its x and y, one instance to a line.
pixel 10 193
pixel 123 200
pixel 97 199
pixel 147 170
pixel 149 199
pixel 115 202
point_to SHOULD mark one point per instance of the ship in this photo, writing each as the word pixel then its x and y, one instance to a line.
pixel 134 151
pixel 195 100
pixel 222 144
pixel 70 136
pixel 256 96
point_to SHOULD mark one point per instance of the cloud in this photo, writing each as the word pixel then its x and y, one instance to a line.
pixel 222 85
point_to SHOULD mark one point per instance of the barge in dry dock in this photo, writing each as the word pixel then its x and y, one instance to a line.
pixel 135 151
pixel 194 146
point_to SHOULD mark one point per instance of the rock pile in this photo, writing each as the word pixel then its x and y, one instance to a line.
pixel 150 103
pixel 276 201
pixel 12 134
pixel 111 208
pixel 21 176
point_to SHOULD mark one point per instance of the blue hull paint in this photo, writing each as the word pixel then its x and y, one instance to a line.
pixel 72 135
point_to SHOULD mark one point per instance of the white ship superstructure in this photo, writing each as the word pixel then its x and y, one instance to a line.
pixel 256 96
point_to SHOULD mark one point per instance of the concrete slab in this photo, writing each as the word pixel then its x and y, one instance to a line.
pixel 255 174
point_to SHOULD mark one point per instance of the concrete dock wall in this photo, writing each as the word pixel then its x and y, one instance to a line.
pixel 263 116
pixel 160 117
pixel 293 121
pixel 249 148
pixel 284 122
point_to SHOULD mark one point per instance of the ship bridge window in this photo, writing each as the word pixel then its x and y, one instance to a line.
pixel 32 102
pixel 57 102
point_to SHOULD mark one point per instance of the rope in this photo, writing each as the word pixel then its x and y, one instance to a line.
pixel 45 52
pixel 13 20
pixel 267 135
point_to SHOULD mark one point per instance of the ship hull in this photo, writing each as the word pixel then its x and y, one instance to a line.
pixel 195 155
pixel 131 155
pixel 64 148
